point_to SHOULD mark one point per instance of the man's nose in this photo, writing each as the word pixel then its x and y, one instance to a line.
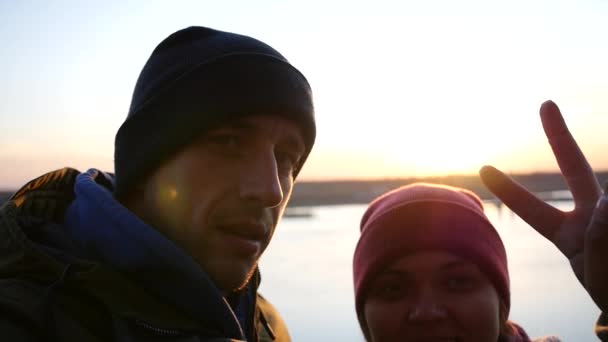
pixel 260 181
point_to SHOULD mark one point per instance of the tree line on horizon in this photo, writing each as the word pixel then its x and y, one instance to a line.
pixel 308 193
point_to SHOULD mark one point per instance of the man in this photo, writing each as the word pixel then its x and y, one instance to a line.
pixel 219 126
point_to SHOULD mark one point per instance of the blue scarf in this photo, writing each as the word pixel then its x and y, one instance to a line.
pixel 105 231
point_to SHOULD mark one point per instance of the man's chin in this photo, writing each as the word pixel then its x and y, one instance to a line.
pixel 230 282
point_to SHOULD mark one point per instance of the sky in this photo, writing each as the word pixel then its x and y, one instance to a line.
pixel 401 88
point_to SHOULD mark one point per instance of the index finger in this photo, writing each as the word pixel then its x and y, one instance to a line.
pixel 572 162
pixel 538 214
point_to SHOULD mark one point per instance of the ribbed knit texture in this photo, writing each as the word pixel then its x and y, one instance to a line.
pixel 198 79
pixel 427 217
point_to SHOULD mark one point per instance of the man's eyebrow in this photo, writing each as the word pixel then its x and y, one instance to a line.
pixel 237 124
pixel 293 142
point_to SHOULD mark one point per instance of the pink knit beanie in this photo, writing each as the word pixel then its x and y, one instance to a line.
pixel 427 217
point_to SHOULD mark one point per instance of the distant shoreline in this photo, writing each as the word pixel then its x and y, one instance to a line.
pixel 317 193
pixel 309 193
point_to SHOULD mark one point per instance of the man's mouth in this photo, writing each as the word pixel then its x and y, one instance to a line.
pixel 245 238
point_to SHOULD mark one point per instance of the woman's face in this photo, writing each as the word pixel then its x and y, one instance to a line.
pixel 432 296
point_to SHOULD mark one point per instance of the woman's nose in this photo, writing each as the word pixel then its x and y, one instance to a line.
pixel 426 307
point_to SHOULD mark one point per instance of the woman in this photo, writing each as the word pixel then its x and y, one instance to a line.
pixel 429 266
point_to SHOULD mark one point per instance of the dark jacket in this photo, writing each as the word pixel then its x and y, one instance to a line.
pixel 51 290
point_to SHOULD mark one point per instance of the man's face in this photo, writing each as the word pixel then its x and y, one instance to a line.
pixel 221 197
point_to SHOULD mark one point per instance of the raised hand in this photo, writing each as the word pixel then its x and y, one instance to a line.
pixel 583 241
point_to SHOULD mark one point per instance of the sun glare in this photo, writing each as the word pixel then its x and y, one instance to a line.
pixel 453 153
pixel 456 144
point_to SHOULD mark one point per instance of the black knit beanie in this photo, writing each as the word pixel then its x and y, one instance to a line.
pixel 198 79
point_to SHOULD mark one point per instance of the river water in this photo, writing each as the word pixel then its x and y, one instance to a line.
pixel 306 274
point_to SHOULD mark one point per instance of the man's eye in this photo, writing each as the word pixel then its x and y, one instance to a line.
pixel 287 161
pixel 225 140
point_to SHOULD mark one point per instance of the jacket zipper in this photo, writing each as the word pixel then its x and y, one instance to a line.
pixel 156 330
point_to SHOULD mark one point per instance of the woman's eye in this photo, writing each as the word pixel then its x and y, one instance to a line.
pixel 389 290
pixel 460 283
pixel 393 291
